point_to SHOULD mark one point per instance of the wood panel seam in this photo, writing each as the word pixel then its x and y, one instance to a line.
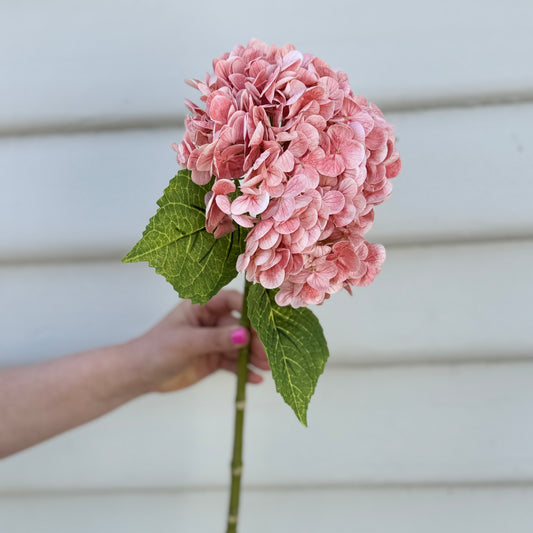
pixel 100 124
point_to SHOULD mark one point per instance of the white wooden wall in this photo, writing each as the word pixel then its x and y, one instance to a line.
pixel 423 420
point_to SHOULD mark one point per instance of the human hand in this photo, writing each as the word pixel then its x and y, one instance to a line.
pixel 193 341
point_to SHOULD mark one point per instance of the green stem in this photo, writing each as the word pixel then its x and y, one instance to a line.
pixel 236 462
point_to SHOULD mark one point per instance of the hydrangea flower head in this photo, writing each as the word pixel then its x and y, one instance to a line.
pixel 308 160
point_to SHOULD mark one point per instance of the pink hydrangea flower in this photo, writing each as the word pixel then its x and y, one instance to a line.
pixel 309 160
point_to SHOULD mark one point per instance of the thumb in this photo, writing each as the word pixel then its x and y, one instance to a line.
pixel 218 339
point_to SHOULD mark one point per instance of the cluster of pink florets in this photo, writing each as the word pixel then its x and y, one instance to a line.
pixel 308 160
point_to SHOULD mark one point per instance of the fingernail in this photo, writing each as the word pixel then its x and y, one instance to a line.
pixel 239 336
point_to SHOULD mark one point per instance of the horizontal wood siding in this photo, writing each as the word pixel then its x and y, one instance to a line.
pixel 466 175
pixel 430 303
pixel 114 63
pixel 422 422
pixel 386 510
pixel 411 425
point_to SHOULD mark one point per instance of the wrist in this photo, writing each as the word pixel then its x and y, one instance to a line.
pixel 132 369
pixel 140 365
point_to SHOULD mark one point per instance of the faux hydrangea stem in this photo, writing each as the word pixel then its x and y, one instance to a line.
pixel 236 462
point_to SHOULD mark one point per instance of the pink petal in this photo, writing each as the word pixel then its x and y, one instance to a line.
pixel 244 220
pixel 300 241
pixel 289 226
pixel 340 134
pixel 237 122
pixel 272 278
pixel 374 262
pixel 282 137
pixel 251 159
pixel 381 194
pixel 326 110
pixel 320 280
pixel 285 161
pixel 223 203
pixel 269 240
pixel 263 256
pixel 295 89
pixel 309 218
pixel 274 260
pixel 344 217
pixel 200 177
pixel 289 295
pixel 312 235
pixel 223 186
pixel 330 84
pixel 261 229
pixel 296 185
pixel 251 203
pixel 300 277
pixel 299 146
pixel 317 122
pixel 310 295
pixel 285 210
pixel 270 87
pixel 345 257
pixel 205 156
pixel 331 165
pixel 310 95
pixel 242 262
pixel 219 108
pixel 213 218
pixel 240 205
pixel 275 191
pixel 259 203
pixel 359 131
pixel 394 169
pixel 295 264
pixel 365 120
pixel 358 269
pixel 303 200
pixel 293 240
pixel 226 226
pixel 284 257
pixel 257 137
pixel 376 138
pixel 238 80
pixel 357 174
pixel 312 175
pixel 292 59
pixel 251 181
pixel 348 188
pixel 353 154
pixel 311 134
pixel 261 159
pixel 334 200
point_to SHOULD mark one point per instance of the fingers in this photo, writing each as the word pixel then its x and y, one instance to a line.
pixel 228 320
pixel 258 360
pixel 231 366
pixel 210 314
pixel 258 355
pixel 231 337
pixel 225 302
pixel 216 339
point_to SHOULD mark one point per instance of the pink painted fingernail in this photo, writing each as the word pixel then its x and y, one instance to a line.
pixel 239 336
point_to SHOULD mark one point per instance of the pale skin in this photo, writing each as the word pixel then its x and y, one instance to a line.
pixel 41 400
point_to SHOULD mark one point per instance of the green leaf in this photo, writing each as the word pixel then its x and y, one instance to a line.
pixel 295 345
pixel 178 246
